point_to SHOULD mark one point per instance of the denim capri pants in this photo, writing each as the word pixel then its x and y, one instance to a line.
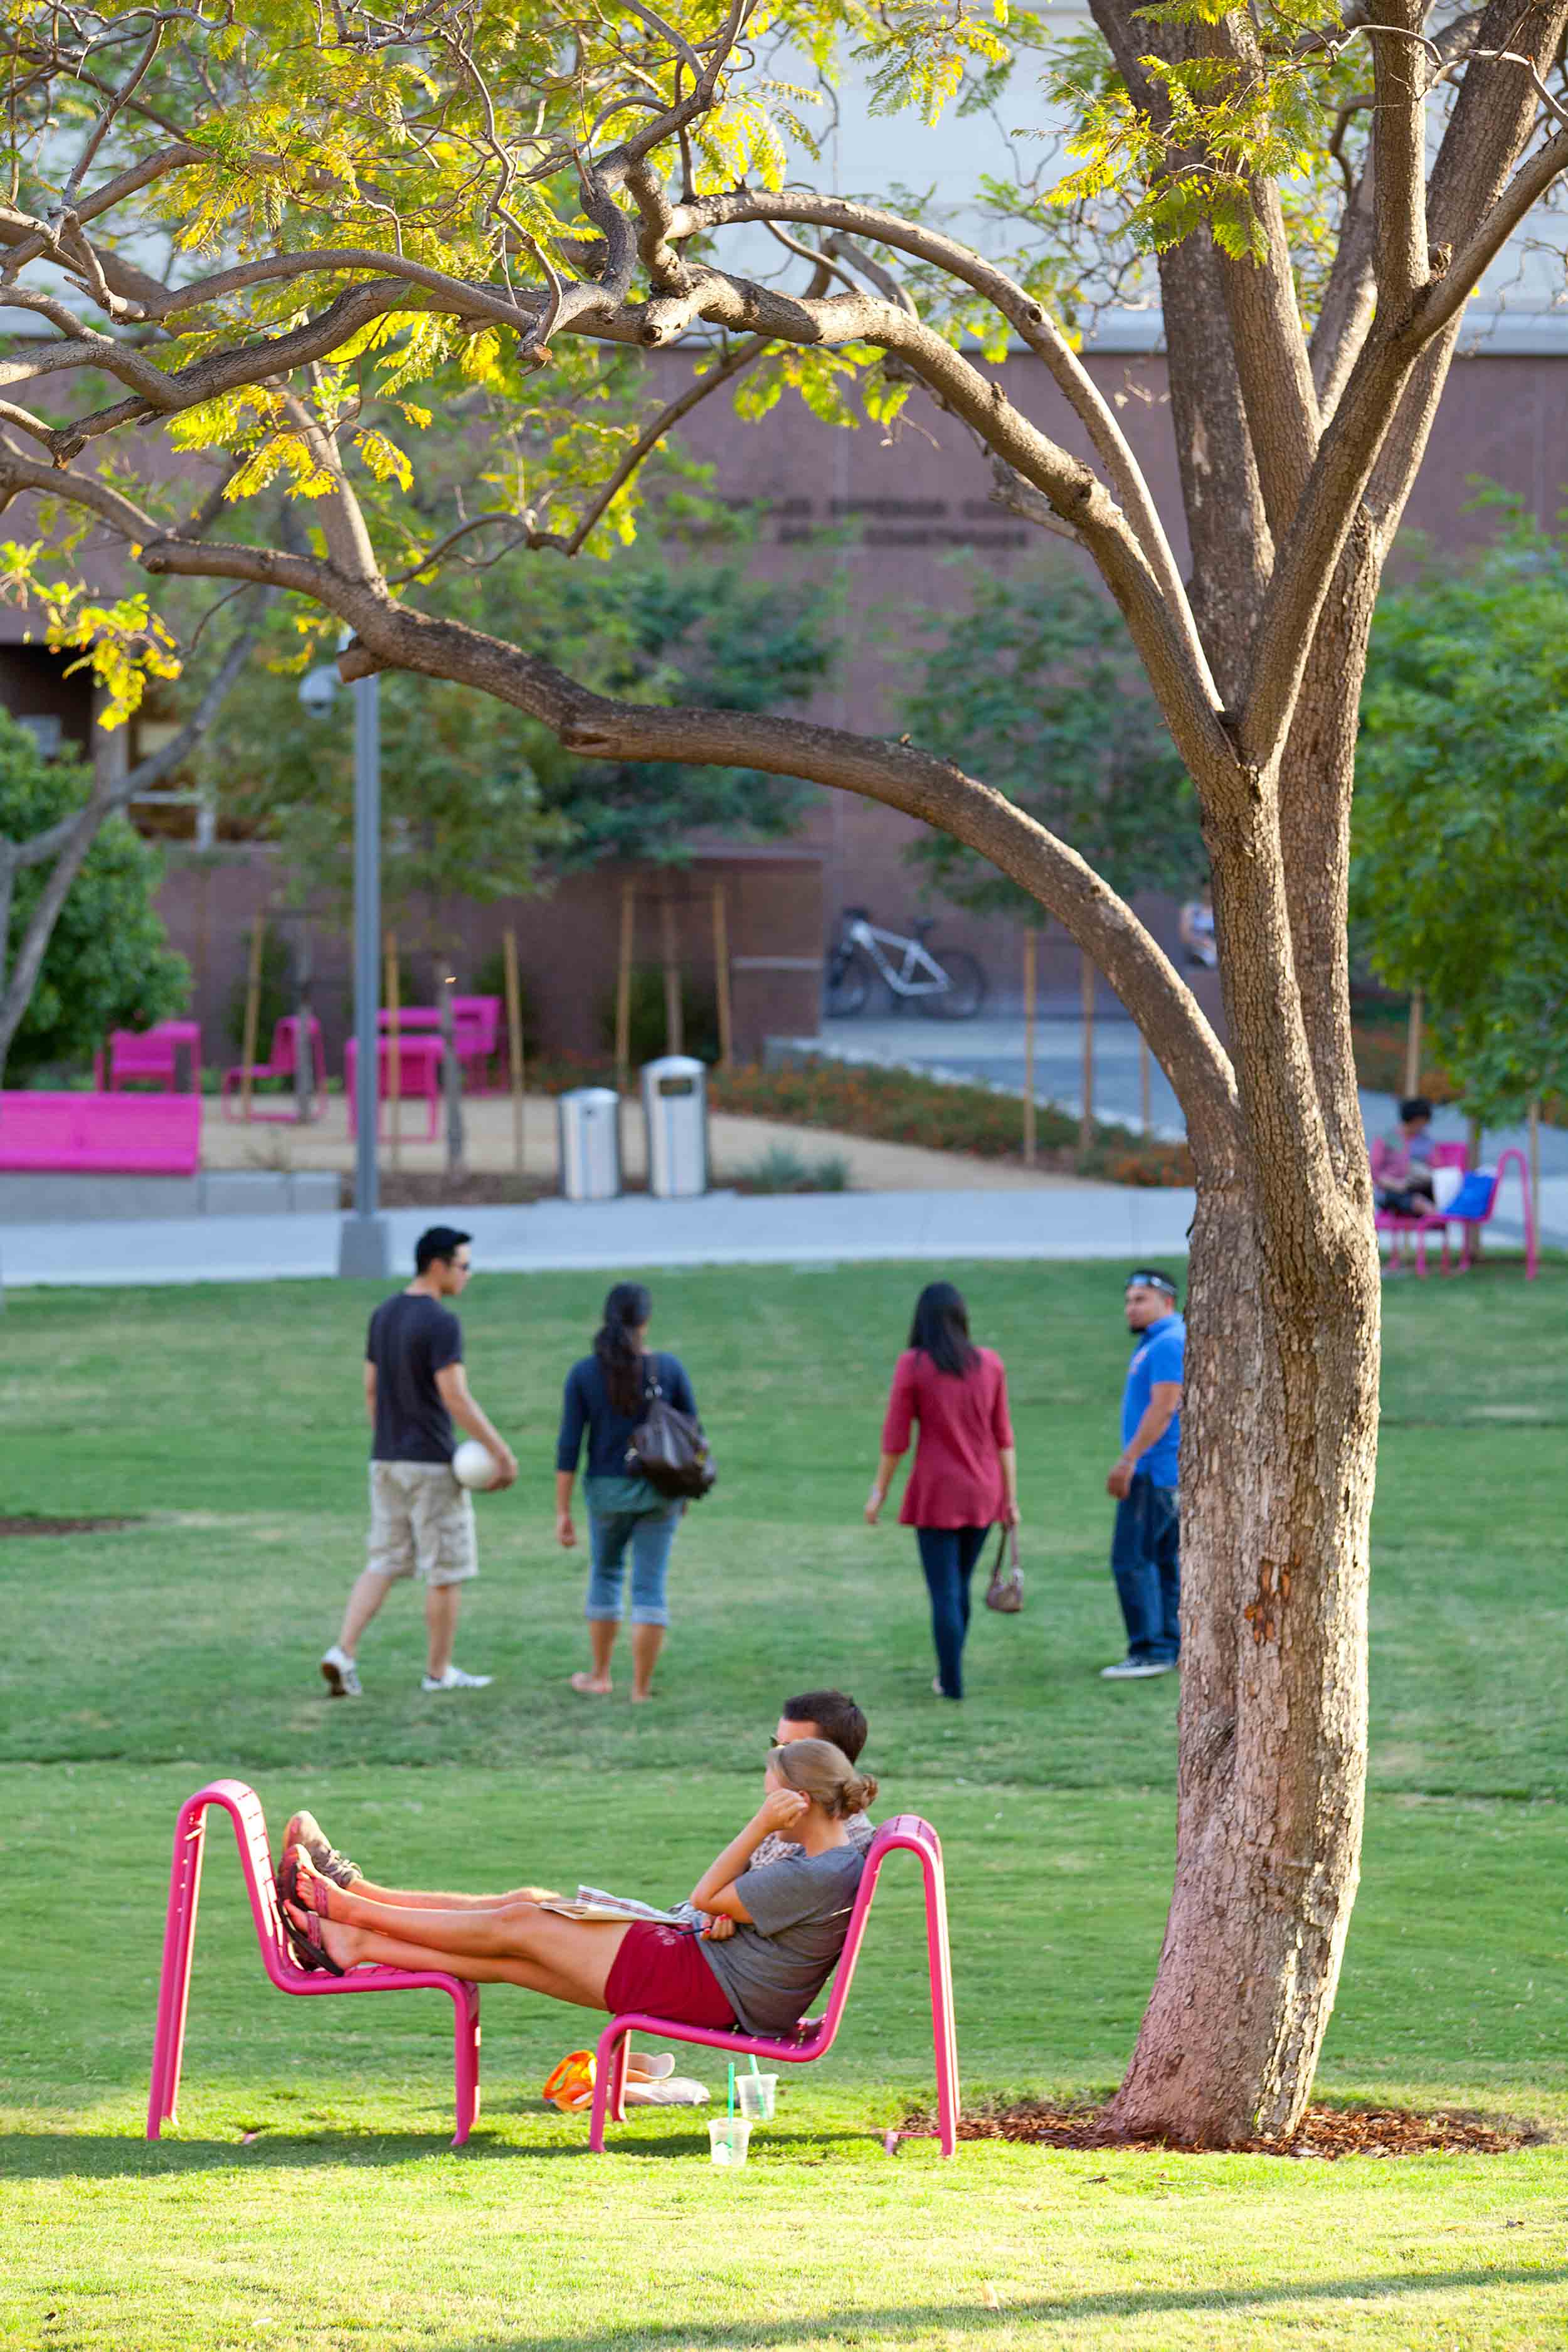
pixel 626 1514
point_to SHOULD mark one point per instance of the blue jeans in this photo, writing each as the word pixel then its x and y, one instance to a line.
pixel 948 1556
pixel 1145 1560
pixel 650 1534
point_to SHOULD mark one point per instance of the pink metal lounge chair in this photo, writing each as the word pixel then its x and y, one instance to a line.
pixel 244 1808
pixel 814 2037
pixel 282 1063
pixel 1474 1206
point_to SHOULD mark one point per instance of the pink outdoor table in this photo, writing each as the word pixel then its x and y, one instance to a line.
pixel 419 1075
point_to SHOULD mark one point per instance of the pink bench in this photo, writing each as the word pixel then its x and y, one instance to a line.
pixel 118 1135
pixel 813 2038
pixel 419 1075
pixel 244 1809
pixel 151 1053
pixel 282 1063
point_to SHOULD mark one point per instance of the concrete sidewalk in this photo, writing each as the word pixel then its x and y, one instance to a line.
pixel 1079 1221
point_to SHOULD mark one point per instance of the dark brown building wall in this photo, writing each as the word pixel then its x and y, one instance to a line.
pixel 568 944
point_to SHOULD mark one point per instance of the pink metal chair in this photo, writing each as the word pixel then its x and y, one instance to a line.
pixel 418 1076
pixel 280 1063
pixel 1477 1206
pixel 476 1033
pixel 244 1809
pixel 154 1054
pixel 814 2037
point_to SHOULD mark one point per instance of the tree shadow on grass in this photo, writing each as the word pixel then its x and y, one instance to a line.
pixel 851 2323
pixel 53 2156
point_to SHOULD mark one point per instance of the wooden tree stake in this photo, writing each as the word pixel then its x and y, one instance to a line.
pixel 624 987
pixel 1533 1119
pixel 674 1027
pixel 1086 994
pixel 1030 942
pixel 721 976
pixel 1413 1046
pixel 514 1043
pixel 252 1014
pixel 393 1043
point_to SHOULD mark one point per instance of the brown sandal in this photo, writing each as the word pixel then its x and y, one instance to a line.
pixel 307 1945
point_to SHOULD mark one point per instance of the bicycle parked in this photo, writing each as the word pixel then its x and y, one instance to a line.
pixel 947 981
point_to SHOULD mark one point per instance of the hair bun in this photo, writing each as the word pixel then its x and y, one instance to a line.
pixel 859 1792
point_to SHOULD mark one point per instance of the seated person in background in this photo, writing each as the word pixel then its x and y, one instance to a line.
pixel 1197 927
pixel 1401 1165
pixel 790 1917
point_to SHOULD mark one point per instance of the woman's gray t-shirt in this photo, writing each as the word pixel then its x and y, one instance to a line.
pixel 773 1969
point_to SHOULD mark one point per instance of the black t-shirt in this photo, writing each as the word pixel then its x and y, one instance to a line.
pixel 412 1338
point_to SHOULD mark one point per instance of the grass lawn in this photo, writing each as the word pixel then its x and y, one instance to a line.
pixel 309 2197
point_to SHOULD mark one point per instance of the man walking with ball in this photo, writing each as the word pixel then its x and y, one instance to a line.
pixel 420 1518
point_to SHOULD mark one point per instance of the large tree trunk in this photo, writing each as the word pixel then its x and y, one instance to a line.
pixel 1279 1445
pixel 1279 1434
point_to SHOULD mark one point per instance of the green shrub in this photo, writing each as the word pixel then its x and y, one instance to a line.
pixel 698 1015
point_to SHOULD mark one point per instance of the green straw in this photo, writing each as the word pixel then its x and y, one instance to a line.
pixel 755 2068
pixel 731 2086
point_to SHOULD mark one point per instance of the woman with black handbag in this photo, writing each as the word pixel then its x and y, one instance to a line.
pixel 607 1398
pixel 965 1475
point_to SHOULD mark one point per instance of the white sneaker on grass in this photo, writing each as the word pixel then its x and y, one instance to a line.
pixel 1136 1670
pixel 455 1679
pixel 340 1675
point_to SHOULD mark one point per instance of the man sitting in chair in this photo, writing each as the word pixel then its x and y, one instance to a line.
pixel 788 1918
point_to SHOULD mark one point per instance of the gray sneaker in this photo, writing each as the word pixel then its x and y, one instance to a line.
pixel 340 1675
pixel 455 1679
pixel 1136 1670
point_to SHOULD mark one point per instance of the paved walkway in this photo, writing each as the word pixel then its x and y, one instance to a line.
pixel 992 1050
pixel 736 1143
pixel 1079 1221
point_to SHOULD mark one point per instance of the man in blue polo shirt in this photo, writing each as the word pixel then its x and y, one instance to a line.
pixel 1145 1549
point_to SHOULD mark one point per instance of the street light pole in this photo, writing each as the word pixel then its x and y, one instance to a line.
pixel 362 1247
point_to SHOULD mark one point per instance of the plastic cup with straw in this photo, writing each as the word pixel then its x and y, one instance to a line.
pixel 728 2136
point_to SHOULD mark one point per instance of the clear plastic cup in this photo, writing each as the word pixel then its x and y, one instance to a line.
pixel 729 2137
pixel 756 2093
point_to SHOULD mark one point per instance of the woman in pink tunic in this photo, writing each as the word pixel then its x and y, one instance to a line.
pixel 965 1475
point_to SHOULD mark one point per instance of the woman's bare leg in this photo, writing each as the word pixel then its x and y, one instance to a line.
pixel 353 1947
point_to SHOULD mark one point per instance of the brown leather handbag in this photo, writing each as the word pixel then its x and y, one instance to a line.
pixel 670 1450
pixel 1004 1594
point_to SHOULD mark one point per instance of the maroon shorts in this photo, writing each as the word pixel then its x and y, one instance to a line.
pixel 662 1971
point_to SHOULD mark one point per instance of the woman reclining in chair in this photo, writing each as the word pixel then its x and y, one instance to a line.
pixel 790 1919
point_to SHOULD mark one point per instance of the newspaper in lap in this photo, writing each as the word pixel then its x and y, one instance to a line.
pixel 593 1903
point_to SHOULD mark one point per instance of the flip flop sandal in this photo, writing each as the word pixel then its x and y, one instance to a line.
pixel 304 1887
pixel 307 1945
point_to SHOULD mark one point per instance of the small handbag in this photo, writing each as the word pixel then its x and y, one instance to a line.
pixel 1004 1594
pixel 670 1450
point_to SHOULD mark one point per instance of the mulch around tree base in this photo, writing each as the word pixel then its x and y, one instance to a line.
pixel 1326 2133
pixel 32 1526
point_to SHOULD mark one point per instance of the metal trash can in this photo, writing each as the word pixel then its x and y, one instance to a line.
pixel 589 1128
pixel 675 1108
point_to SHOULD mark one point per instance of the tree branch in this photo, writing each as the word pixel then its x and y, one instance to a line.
pixel 1399 156
pixel 1035 328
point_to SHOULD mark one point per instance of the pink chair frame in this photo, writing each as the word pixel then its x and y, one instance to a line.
pixel 282 1063
pixel 813 2038
pixel 244 1809
pixel 1388 1221
pixel 419 1058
